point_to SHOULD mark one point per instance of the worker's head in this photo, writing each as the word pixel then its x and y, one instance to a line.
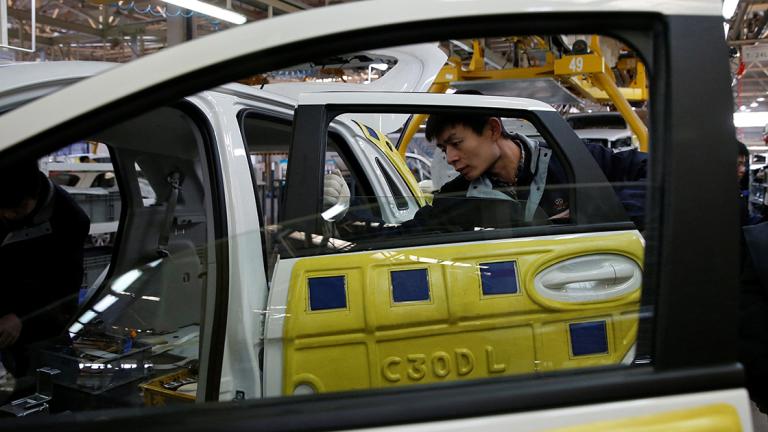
pixel 742 160
pixel 19 189
pixel 470 141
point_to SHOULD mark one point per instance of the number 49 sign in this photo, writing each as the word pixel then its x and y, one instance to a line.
pixel 579 64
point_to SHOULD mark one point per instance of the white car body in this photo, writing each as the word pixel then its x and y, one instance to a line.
pixel 614 139
pixel 607 129
pixel 185 69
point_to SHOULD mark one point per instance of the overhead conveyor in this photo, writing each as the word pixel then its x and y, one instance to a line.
pixel 587 72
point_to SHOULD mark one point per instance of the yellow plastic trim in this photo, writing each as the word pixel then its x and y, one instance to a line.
pixel 459 333
pixel 396 159
pixel 710 418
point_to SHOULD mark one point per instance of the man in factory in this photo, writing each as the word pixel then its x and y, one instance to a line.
pixel 508 179
pixel 42 232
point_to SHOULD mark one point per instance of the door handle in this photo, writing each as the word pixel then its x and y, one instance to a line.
pixel 589 278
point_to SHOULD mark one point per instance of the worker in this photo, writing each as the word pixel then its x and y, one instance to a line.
pixel 508 179
pixel 42 235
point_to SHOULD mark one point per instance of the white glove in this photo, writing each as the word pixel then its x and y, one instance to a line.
pixel 335 196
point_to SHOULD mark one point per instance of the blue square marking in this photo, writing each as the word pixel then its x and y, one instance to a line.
pixel 499 278
pixel 410 285
pixel 588 338
pixel 373 133
pixel 327 293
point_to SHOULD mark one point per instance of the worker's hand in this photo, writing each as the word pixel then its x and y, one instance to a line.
pixel 335 193
pixel 10 329
pixel 562 215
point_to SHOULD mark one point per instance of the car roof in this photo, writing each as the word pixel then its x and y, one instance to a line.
pixel 22 82
pixel 414 71
pixel 154 71
pixel 440 99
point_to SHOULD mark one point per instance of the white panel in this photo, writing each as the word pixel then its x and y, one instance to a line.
pixel 247 276
pixel 273 336
pixel 211 50
pixel 541 421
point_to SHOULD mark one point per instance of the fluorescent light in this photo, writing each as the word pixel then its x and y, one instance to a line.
pixel 76 327
pixel 750 119
pixel 87 317
pixel 729 7
pixel 209 9
pixel 753 104
pixel 125 280
pixel 104 303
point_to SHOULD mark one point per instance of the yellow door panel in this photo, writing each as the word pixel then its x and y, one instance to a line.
pixel 711 418
pixel 431 314
pixel 471 354
pixel 346 363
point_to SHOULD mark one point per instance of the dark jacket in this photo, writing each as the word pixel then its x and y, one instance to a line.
pixel 41 260
pixel 753 312
pixel 453 210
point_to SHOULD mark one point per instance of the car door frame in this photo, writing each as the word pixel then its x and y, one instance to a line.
pixel 691 268
pixel 596 205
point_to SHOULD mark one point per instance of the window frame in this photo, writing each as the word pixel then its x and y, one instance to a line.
pixel 210 376
pixel 302 210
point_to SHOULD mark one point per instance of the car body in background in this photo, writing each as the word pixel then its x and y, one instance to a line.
pixel 607 129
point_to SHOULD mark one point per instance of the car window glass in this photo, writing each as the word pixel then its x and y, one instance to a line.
pixel 228 263
pixel 128 272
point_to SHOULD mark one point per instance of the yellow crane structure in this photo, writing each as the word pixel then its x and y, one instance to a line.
pixel 589 73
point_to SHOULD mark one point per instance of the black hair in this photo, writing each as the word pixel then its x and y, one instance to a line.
pixel 18 183
pixel 743 150
pixel 437 123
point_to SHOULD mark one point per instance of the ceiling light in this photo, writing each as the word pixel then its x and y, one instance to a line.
pixel 743 108
pixel 210 10
pixel 753 104
pixel 760 99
